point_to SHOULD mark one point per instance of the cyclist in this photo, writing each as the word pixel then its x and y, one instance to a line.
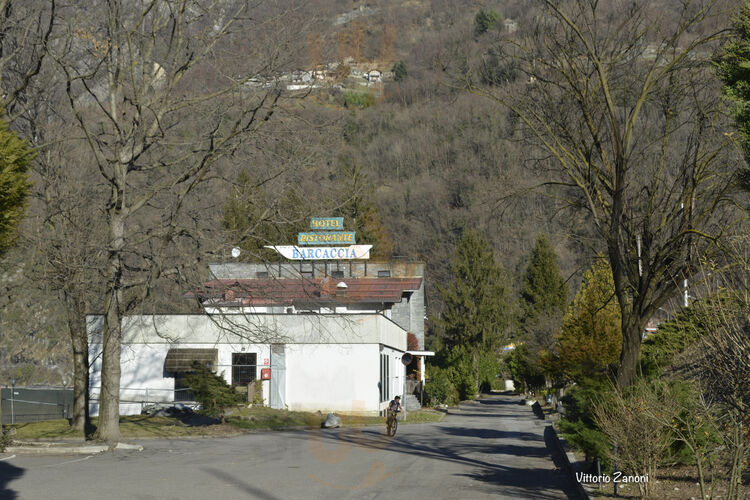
pixel 395 405
pixel 393 408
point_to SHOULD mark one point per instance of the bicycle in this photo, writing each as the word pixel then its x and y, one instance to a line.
pixel 391 423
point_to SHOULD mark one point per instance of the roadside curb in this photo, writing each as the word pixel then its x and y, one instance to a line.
pixel 568 458
pixel 52 448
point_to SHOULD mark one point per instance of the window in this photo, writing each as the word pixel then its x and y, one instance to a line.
pixel 181 360
pixel 261 274
pixel 182 391
pixel 384 274
pixel 385 386
pixel 337 274
pixel 243 367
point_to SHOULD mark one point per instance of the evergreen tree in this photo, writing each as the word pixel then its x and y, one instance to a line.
pixel 15 156
pixel 591 336
pixel 485 20
pixel 477 304
pixel 399 71
pixel 544 295
pixel 733 67
pixel 211 391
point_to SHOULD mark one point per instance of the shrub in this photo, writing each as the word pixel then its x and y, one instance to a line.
pixel 5 440
pixel 588 439
pixel 487 370
pixel 461 372
pixel 399 71
pixel 578 426
pixel 524 372
pixel 485 20
pixel 637 421
pixel 211 391
pixel 439 389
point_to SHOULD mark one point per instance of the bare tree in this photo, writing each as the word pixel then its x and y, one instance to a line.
pixel 624 107
pixel 640 440
pixel 724 360
pixel 26 28
pixel 158 115
pixel 67 239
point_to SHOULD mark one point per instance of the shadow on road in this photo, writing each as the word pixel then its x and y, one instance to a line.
pixel 491 433
pixel 241 485
pixel 475 446
pixel 529 482
pixel 8 473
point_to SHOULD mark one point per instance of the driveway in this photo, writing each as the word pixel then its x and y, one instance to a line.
pixel 494 448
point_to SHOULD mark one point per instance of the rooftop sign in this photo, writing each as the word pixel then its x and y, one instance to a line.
pixel 326 231
pixel 351 252
pixel 330 223
pixel 327 238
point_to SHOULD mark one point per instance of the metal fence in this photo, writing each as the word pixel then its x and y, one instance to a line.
pixel 35 404
pixel 145 396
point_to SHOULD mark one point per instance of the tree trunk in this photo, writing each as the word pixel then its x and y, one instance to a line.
pixel 632 332
pixel 109 395
pixel 79 339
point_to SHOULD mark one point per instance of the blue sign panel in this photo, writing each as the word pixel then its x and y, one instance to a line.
pixel 327 238
pixel 327 223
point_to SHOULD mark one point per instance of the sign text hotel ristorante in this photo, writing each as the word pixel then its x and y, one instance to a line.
pixel 326 231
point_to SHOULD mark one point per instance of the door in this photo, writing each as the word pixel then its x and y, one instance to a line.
pixel 243 368
pixel 278 377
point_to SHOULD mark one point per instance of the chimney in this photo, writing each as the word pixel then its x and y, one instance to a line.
pixel 341 289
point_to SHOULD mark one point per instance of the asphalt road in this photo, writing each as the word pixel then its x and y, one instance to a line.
pixel 494 448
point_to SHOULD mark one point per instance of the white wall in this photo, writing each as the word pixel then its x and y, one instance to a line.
pixel 397 374
pixel 333 361
pixel 143 378
pixel 339 377
pixel 257 328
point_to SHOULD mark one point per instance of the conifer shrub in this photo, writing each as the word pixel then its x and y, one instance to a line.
pixel 211 391
pixel 440 389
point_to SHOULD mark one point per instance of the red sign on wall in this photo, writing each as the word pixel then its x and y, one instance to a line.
pixel 265 374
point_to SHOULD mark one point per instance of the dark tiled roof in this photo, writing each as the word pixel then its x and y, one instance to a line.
pixel 273 291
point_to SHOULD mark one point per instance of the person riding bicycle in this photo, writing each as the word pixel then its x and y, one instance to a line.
pixel 394 406
pixel 390 422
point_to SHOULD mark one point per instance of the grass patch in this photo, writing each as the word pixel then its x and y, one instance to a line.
pixel 360 100
pixel 268 418
pixel 47 429
pixel 131 426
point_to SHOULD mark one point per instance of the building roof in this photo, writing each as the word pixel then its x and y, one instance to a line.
pixel 287 291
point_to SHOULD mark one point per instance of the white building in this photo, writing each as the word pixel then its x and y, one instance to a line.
pixel 329 362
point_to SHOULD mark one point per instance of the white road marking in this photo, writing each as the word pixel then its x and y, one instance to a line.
pixel 7 458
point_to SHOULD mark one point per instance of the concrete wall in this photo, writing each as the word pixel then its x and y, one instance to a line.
pixel 397 375
pixel 143 378
pixel 256 329
pixel 333 362
pixel 341 378
pixel 326 377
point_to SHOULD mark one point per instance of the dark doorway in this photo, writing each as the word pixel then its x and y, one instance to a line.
pixel 243 367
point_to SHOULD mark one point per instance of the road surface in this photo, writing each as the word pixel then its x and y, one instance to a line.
pixel 494 448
